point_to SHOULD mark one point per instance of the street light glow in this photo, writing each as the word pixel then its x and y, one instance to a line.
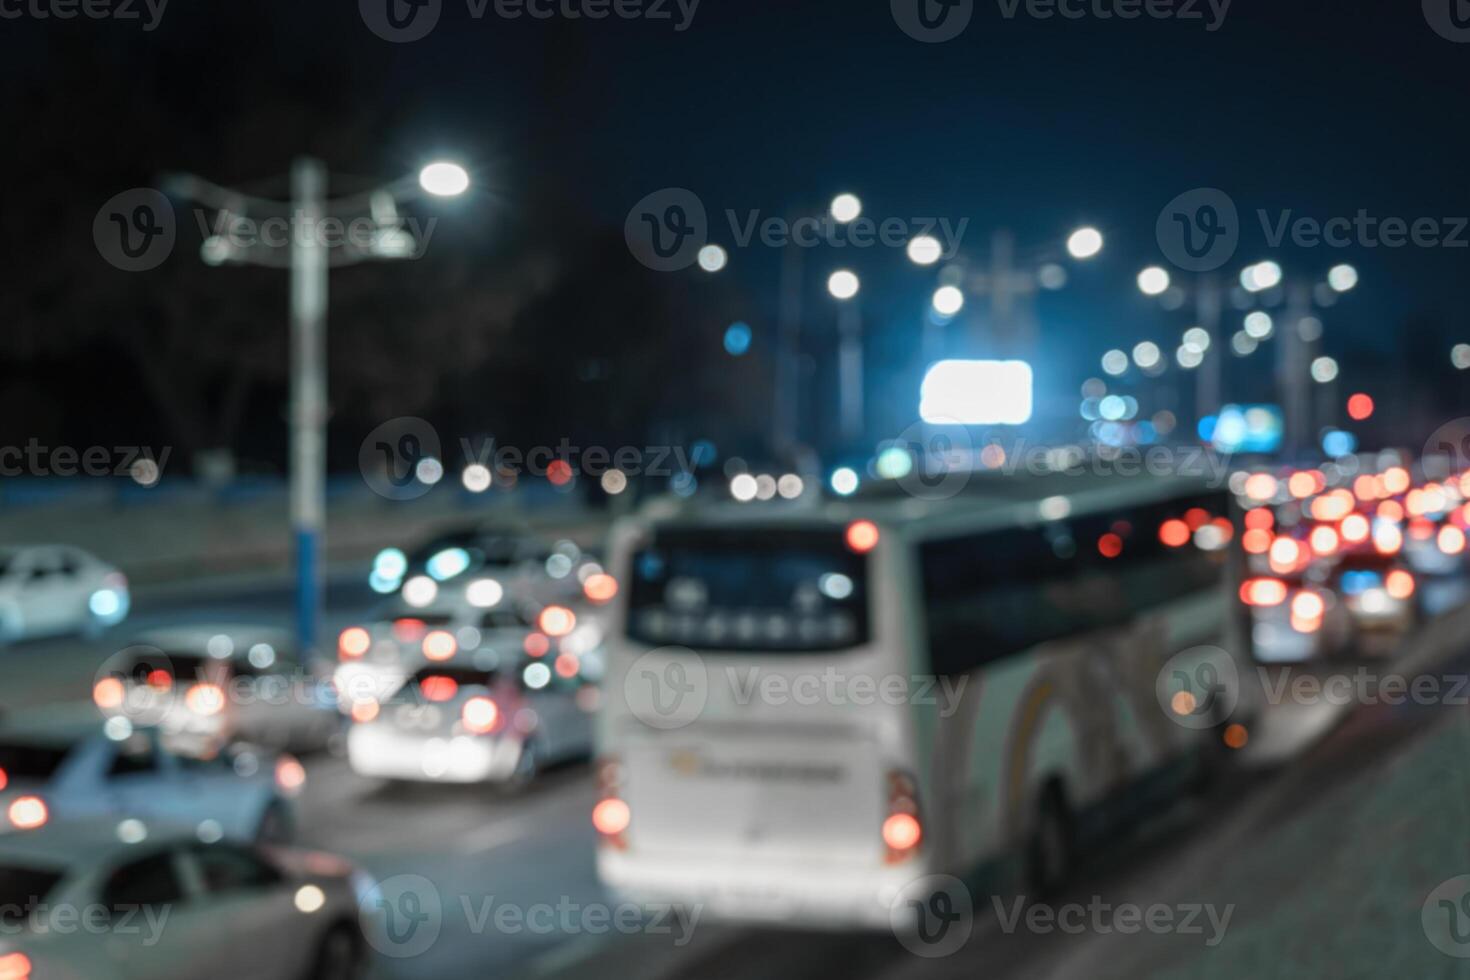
pixel 924 250
pixel 948 300
pixel 843 284
pixel 1146 354
pixel 1261 276
pixel 712 258
pixel 1084 243
pixel 444 179
pixel 1153 281
pixel 1324 369
pixel 846 208
pixel 1342 278
pixel 1115 362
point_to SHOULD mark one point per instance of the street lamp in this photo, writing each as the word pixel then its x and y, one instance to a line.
pixel 1153 281
pixel 1342 278
pixel 924 250
pixel 843 284
pixel 845 208
pixel 309 260
pixel 948 300
pixel 444 179
pixel 1084 243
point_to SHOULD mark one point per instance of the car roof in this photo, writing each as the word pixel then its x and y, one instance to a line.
pixel 194 638
pixel 86 843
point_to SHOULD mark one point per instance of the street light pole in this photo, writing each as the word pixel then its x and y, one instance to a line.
pixel 850 369
pixel 308 392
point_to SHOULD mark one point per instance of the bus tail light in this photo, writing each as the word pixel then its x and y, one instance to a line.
pixel 903 831
pixel 611 816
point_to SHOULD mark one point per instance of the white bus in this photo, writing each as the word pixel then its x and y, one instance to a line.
pixel 809 710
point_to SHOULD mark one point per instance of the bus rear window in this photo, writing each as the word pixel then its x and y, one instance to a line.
pixel 749 590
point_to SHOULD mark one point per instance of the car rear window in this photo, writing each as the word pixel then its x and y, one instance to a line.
pixel 20 760
pixel 22 889
pixel 749 590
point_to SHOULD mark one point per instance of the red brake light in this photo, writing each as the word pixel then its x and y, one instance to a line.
pixel 862 536
pixel 108 693
pixel 1400 584
pixel 440 645
pixel 290 774
pixel 480 716
pixel 205 699
pixel 438 688
pixel 611 817
pixel 28 813
pixel 902 829
pixel 1174 533
pixel 4 779
pixel 1263 592
pixel 353 643
pixel 600 588
pixel 408 629
pixel 15 966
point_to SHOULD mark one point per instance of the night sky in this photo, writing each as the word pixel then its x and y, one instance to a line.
pixel 1034 125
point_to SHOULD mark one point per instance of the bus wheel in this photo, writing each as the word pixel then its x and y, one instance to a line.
pixel 1052 851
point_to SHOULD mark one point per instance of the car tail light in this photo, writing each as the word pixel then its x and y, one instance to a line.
pixel 1451 540
pixel 611 816
pixel 1307 605
pixel 862 536
pixel 28 813
pixel 15 966
pixel 364 711
pixel 160 679
pixel 290 775
pixel 536 644
pixel 438 688
pixel 353 643
pixel 557 621
pixel 1399 584
pixel 1323 540
pixel 440 645
pixel 408 629
pixel 480 716
pixel 601 588
pixel 4 779
pixel 903 831
pixel 108 693
pixel 1263 592
pixel 205 699
pixel 1355 528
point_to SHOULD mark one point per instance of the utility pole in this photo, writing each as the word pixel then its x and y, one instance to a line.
pixel 308 392
pixel 1208 305
pixel 1291 371
pixel 850 369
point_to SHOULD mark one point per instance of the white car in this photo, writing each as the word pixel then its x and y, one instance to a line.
pixel 64 762
pixel 210 684
pixel 459 723
pixel 50 590
pixel 132 900
pixel 376 659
